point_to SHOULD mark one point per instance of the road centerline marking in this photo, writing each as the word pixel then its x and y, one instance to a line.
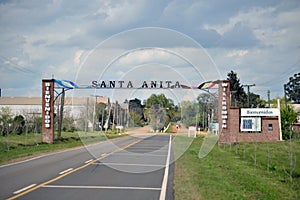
pixel 88 161
pixel 65 171
pixel 139 154
pixel 72 171
pixel 23 189
pixel 130 164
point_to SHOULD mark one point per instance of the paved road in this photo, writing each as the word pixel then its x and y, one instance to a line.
pixel 129 168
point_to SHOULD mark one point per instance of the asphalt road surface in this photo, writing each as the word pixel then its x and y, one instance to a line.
pixel 128 168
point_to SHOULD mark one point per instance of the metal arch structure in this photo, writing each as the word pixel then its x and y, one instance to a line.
pixel 49 86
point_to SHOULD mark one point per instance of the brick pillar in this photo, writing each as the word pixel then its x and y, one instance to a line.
pixel 223 109
pixel 48 111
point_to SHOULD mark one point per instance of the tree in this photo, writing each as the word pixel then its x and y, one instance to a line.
pixel 261 103
pixel 86 116
pixel 37 121
pixel 190 114
pixel 159 108
pixel 136 118
pixel 288 116
pixel 238 95
pixel 207 107
pixel 136 111
pixel 5 120
pixel 254 100
pixel 68 123
pixel 101 114
pixel 292 89
pixel 19 124
pixel 161 100
pixel 177 113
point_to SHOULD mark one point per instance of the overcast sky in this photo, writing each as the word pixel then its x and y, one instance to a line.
pixel 259 40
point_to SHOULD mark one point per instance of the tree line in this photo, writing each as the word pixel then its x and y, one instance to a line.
pixel 157 111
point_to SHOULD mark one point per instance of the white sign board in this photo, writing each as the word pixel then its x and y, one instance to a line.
pixel 192 129
pixel 259 112
pixel 215 127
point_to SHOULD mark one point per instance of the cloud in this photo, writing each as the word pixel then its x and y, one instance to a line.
pixel 151 55
pixel 55 37
pixel 239 53
pixel 239 36
pixel 78 57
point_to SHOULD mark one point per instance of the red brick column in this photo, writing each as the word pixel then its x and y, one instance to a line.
pixel 48 111
pixel 223 110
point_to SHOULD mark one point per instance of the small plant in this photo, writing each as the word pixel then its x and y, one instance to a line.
pixel 273 167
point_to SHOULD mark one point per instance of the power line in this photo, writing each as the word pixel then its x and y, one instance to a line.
pixel 283 76
pixel 16 67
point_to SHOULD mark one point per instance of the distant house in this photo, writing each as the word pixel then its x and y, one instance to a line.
pixel 33 105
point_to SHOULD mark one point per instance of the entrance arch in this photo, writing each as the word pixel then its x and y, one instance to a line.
pixel 151 59
pixel 49 85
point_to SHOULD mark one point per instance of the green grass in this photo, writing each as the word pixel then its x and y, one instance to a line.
pixel 232 173
pixel 14 147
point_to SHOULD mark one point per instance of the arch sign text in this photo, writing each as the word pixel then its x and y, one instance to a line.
pixel 48 98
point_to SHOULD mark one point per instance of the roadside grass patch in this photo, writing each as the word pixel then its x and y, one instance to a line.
pixel 14 147
pixel 230 172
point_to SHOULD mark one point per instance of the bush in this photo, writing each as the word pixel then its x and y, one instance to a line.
pixel 288 116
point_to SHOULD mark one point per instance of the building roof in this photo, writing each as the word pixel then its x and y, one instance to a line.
pixel 20 101
pixel 38 100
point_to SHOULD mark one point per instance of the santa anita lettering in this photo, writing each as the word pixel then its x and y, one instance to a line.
pixel 131 84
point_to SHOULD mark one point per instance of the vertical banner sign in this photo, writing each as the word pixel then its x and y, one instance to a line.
pixel 224 101
pixel 48 111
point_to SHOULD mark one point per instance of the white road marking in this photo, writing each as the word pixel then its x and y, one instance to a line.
pixel 34 187
pixel 25 188
pixel 146 152
pixel 65 171
pixel 88 161
pixel 166 175
pixel 162 189
pixel 58 152
pixel 129 164
pixel 148 148
pixel 98 187
pixel 42 156
pixel 139 154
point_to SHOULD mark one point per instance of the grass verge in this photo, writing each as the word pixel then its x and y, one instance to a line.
pixel 15 147
pixel 239 172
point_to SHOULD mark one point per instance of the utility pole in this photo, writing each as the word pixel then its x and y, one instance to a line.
pixel 61 113
pixel 94 112
pixel 87 115
pixel 269 98
pixel 285 98
pixel 248 90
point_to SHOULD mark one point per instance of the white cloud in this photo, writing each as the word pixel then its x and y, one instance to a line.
pixel 252 37
pixel 121 13
pixel 238 53
pixel 152 55
pixel 78 57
